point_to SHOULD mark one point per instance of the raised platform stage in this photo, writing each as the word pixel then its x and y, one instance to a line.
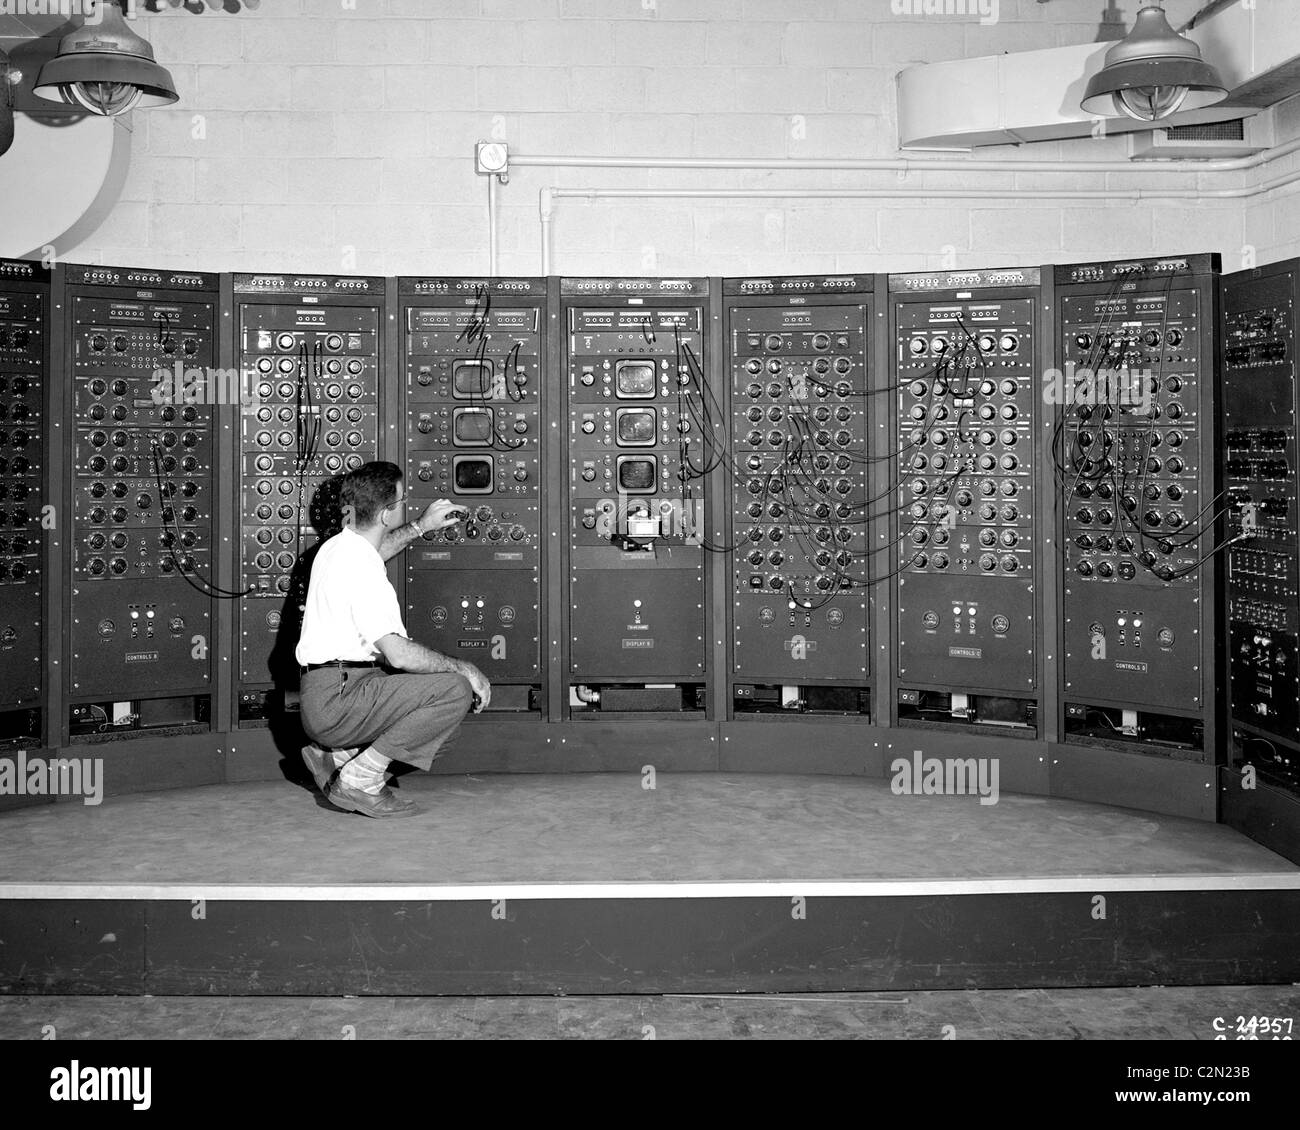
pixel 595 884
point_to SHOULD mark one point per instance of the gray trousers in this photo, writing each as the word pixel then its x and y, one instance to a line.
pixel 407 718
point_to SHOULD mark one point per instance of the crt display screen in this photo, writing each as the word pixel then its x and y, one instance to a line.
pixel 636 474
pixel 472 378
pixel 473 476
pixel 636 427
pixel 473 427
pixel 636 378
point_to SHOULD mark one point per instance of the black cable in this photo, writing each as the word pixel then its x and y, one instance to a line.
pixel 1168 575
pixel 165 502
pixel 1084 468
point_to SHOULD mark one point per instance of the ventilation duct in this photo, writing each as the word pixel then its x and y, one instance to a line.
pixel 1035 95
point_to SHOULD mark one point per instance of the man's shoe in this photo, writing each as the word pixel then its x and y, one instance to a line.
pixel 383 803
pixel 321 764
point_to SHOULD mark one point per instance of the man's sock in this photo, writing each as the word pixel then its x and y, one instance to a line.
pixel 366 771
pixel 340 757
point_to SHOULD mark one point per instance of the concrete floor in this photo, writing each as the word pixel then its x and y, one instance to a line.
pixel 1055 1014
pixel 606 827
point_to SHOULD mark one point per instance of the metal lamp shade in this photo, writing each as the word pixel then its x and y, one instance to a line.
pixel 109 75
pixel 6 106
pixel 1152 73
pixel 106 68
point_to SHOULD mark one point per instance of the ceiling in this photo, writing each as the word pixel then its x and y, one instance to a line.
pixel 25 27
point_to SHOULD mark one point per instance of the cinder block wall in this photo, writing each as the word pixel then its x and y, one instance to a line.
pixel 1274 218
pixel 338 135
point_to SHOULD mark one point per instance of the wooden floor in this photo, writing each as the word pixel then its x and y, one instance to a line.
pixel 1010 1014
pixel 594 885
pixel 607 828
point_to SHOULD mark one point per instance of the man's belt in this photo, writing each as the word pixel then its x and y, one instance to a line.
pixel 340 663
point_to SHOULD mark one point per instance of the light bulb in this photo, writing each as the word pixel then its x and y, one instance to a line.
pixel 1149 103
pixel 104 98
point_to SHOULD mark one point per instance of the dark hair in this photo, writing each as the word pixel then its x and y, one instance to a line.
pixel 369 489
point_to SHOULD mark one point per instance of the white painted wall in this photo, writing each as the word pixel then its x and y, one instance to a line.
pixel 313 136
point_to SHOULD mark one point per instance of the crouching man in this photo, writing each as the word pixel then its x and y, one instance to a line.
pixel 370 694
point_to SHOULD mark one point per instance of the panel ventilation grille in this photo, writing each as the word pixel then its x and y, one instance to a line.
pixel 1211 131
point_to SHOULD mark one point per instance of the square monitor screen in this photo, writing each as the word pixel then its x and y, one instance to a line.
pixel 636 476
pixel 472 378
pixel 636 427
pixel 473 474
pixel 472 427
pixel 636 379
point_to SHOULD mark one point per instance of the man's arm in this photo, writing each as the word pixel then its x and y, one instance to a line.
pixel 397 540
pixel 407 655
pixel 437 516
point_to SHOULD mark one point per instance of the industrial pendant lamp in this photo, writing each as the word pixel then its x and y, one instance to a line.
pixel 104 67
pixel 1152 73
pixel 6 105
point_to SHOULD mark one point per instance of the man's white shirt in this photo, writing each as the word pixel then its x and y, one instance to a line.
pixel 350 603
